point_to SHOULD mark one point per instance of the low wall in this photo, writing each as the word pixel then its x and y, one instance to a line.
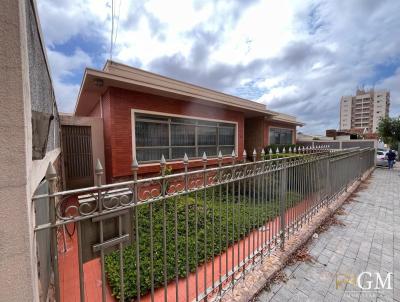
pixel 345 144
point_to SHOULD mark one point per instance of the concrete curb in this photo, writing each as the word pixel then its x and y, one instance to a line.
pixel 247 289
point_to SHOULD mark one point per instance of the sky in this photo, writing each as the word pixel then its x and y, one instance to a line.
pixel 296 56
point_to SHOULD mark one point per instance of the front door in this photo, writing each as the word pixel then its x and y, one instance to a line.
pixel 78 160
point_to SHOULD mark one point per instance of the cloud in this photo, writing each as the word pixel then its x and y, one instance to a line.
pixel 296 56
pixel 392 83
pixel 64 66
pixel 64 71
pixel 66 94
pixel 62 20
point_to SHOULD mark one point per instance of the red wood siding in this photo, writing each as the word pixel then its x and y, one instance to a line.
pixel 254 134
pixel 96 111
pixel 107 131
pixel 269 124
pixel 117 105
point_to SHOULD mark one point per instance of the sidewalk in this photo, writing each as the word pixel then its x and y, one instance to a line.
pixel 369 242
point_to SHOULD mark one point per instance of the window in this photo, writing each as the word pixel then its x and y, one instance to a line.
pixel 173 137
pixel 280 136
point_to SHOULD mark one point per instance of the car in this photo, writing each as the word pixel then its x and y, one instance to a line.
pixel 381 158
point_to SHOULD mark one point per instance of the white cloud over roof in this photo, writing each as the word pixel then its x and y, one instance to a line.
pixel 296 56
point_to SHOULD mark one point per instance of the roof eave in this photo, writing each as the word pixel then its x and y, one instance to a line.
pixel 219 97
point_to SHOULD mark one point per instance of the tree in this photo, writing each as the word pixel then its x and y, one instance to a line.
pixel 389 131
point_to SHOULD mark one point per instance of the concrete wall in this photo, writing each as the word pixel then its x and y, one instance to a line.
pixel 25 84
pixel 18 278
pixel 96 125
pixel 41 90
pixel 341 144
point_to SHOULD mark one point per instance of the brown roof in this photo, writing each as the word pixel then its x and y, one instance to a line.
pixel 96 82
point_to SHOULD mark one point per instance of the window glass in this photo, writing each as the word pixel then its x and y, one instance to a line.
pixel 206 123
pixel 179 120
pixel 206 135
pixel 182 135
pixel 210 151
pixel 151 134
pixel 147 154
pixel 147 117
pixel 173 137
pixel 280 136
pixel 226 150
pixel 226 136
pixel 179 152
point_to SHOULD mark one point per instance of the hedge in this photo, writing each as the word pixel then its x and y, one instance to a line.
pixel 228 213
pixel 280 147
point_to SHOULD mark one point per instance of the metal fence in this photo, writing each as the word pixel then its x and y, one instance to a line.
pixel 340 144
pixel 192 235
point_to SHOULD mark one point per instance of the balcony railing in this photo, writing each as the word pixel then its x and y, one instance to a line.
pixel 191 235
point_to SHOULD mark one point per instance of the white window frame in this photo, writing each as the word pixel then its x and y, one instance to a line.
pixel 273 127
pixel 164 114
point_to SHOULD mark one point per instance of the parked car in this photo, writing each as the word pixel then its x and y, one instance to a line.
pixel 381 158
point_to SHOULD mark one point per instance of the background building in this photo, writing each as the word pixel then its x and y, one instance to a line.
pixel 364 110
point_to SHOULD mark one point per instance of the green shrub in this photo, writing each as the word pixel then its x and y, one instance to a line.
pixel 280 155
pixel 280 147
pixel 240 219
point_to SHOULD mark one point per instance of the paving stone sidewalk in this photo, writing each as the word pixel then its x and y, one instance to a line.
pixel 369 242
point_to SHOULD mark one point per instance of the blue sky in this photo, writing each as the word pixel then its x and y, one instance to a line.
pixel 296 56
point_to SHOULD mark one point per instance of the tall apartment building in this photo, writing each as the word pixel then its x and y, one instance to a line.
pixel 364 110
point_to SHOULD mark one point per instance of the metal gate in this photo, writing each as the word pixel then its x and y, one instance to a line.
pixel 78 161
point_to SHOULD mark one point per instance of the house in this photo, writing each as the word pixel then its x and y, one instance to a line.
pixel 146 115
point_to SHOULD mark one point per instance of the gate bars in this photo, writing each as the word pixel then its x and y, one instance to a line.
pixel 192 235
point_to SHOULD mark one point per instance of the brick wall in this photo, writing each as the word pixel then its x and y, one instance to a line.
pixel 117 105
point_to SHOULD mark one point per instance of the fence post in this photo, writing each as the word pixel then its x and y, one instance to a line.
pixel 135 168
pixel 51 177
pixel 163 165
pixel 99 172
pixel 282 186
pixel 328 181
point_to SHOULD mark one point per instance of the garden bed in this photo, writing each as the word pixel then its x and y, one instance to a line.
pixel 233 219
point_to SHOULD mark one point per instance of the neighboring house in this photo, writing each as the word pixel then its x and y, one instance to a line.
pixel 146 115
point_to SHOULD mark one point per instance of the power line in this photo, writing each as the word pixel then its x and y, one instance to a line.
pixel 116 30
pixel 112 28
